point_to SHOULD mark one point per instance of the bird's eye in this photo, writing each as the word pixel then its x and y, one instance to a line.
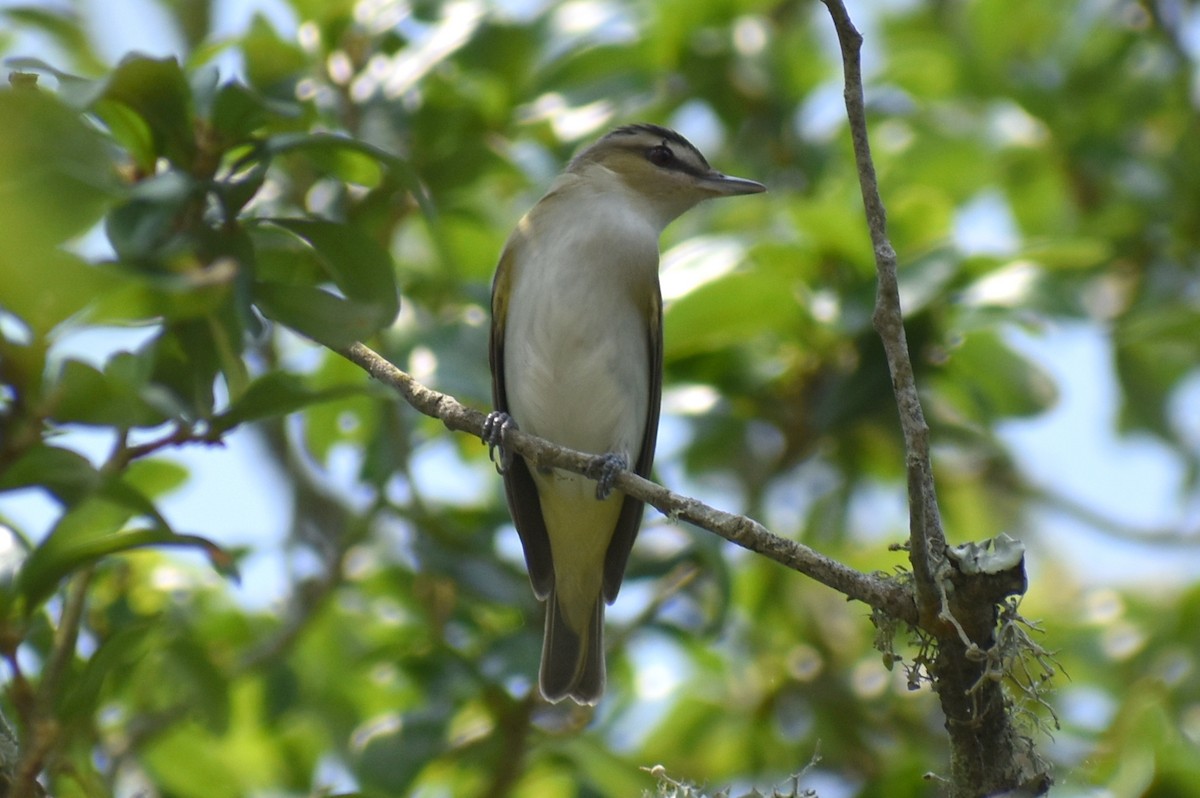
pixel 660 155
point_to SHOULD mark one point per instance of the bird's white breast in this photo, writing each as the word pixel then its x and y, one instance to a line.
pixel 577 337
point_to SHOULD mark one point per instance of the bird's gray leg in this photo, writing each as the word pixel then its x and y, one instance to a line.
pixel 495 426
pixel 605 469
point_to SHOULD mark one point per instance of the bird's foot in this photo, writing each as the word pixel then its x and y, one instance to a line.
pixel 605 469
pixel 495 426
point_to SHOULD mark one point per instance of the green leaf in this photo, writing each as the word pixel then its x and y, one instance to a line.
pixel 155 477
pixel 345 158
pixel 146 297
pixel 116 654
pixel 57 176
pixel 87 396
pixel 1068 252
pixel 1154 348
pixel 186 364
pixel 130 130
pixel 715 315
pixel 277 394
pixel 66 29
pixel 358 266
pixel 67 475
pixel 988 381
pixel 392 759
pixel 141 229
pixel 351 160
pixel 157 91
pixel 174 277
pixel 199 677
pixel 24 283
pixel 237 112
pixel 96 528
pixel 204 81
pixel 318 314
pixel 236 191
pixel 924 279
pixel 273 65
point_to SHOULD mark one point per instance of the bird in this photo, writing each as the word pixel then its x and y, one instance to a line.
pixel 576 353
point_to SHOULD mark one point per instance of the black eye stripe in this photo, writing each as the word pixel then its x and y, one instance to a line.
pixel 662 156
pixel 692 163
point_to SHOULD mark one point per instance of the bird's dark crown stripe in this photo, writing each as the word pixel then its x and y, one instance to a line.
pixel 668 136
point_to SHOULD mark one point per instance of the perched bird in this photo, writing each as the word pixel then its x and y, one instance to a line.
pixel 576 358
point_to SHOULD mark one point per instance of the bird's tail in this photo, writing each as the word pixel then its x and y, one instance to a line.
pixel 572 660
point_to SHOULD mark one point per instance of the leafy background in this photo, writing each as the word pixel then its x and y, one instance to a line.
pixel 174 217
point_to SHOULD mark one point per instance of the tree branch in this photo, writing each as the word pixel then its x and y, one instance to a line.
pixel 928 541
pixel 43 731
pixel 957 604
pixel 876 591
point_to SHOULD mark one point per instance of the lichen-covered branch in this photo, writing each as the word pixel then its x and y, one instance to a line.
pixel 957 605
pixel 876 591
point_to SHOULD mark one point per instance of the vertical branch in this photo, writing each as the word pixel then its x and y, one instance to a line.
pixel 988 756
pixel 43 732
pixel 926 538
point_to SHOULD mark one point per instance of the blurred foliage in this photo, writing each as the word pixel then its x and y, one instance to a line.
pixel 349 171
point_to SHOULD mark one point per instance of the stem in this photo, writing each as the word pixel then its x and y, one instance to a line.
pixel 44 729
pixel 875 591
pixel 928 541
pixel 988 756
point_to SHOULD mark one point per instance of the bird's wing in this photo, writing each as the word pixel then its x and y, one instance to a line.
pixel 519 488
pixel 631 511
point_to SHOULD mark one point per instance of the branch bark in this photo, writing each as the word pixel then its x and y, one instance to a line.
pixel 876 591
pixel 958 607
pixel 927 540
pixel 43 729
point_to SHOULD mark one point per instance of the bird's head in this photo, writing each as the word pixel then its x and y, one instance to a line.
pixel 660 167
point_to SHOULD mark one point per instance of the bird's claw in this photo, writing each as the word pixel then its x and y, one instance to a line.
pixel 495 426
pixel 606 467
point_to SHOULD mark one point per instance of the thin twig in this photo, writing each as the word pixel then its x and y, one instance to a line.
pixel 123 455
pixel 928 541
pixel 43 730
pixel 873 590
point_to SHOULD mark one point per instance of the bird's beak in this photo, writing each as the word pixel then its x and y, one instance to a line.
pixel 727 186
